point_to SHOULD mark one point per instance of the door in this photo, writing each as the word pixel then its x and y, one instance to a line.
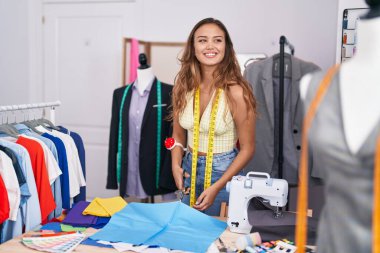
pixel 82 67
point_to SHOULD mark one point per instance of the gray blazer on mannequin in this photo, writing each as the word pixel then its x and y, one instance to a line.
pixel 259 75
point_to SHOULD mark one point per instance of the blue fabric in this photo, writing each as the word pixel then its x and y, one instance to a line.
pixel 29 214
pixel 54 226
pixel 62 162
pixel 220 164
pixel 82 157
pixel 91 242
pixel 172 225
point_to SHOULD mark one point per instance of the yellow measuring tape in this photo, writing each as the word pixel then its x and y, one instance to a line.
pixel 210 145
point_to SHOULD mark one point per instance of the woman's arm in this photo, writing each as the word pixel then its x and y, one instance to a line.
pixel 245 126
pixel 179 134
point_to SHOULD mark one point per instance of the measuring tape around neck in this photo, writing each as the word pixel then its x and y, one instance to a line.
pixel 210 146
pixel 159 130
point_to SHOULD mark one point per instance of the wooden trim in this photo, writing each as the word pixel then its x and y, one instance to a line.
pixel 147 49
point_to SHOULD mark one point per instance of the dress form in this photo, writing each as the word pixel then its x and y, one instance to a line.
pixel 145 75
pixel 359 83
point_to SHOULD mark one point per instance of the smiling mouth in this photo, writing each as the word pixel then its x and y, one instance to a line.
pixel 210 55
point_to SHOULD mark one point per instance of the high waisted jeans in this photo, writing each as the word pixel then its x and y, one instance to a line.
pixel 220 163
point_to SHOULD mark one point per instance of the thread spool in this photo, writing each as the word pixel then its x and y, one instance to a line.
pixel 250 240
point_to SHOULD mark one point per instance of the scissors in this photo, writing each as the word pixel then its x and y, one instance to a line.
pixel 181 193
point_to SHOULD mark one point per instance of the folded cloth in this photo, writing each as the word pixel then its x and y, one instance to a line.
pixel 101 222
pixel 68 228
pixel 54 226
pixel 105 207
pixel 172 225
pixel 76 218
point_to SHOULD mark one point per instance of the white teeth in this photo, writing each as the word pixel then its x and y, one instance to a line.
pixel 210 54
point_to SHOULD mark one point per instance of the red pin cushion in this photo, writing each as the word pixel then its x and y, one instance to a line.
pixel 170 143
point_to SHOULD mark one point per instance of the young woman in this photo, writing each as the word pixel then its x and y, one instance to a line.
pixel 213 107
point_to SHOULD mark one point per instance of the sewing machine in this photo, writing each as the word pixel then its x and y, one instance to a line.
pixel 243 188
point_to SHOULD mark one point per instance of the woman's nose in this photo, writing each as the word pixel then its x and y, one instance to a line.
pixel 210 45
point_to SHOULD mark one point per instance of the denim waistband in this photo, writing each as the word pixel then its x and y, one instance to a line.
pixel 216 157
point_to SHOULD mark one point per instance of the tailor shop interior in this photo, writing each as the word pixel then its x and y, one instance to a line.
pixel 132 130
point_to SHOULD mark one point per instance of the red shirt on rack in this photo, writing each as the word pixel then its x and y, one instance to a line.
pixel 37 157
pixel 4 202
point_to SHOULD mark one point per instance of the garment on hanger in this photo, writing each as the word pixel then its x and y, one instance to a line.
pixel 82 157
pixel 29 215
pixel 76 177
pixel 265 88
pixel 147 146
pixel 9 176
pixel 20 175
pixel 51 158
pixel 348 177
pixel 45 195
pixel 4 202
pixel 36 162
pixel 62 162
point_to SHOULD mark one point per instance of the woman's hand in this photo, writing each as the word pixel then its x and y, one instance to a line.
pixel 206 199
pixel 179 176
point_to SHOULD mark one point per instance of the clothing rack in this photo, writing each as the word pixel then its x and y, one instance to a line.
pixel 22 107
pixel 283 42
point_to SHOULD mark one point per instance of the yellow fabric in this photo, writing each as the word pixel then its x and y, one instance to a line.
pixel 225 130
pixel 105 207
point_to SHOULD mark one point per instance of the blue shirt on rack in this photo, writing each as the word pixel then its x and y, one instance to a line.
pixel 82 157
pixel 62 162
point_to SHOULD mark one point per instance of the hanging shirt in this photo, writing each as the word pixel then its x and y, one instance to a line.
pixel 82 157
pixel 23 129
pixel 45 195
pixel 24 191
pixel 76 177
pixel 62 162
pixel 4 202
pixel 51 165
pixel 8 174
pixel 30 215
pixel 290 162
pixel 136 113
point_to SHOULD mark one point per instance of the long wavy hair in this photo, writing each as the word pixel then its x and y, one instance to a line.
pixel 227 73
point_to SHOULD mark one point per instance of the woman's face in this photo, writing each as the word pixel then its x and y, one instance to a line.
pixel 209 45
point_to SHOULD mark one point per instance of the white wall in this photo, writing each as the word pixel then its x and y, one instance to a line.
pixel 14 52
pixel 255 26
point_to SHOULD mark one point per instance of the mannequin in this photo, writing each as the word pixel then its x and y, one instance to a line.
pixel 136 164
pixel 342 138
pixel 145 75
pixel 360 82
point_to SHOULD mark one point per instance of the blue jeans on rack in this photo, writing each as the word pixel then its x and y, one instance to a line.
pixel 220 163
